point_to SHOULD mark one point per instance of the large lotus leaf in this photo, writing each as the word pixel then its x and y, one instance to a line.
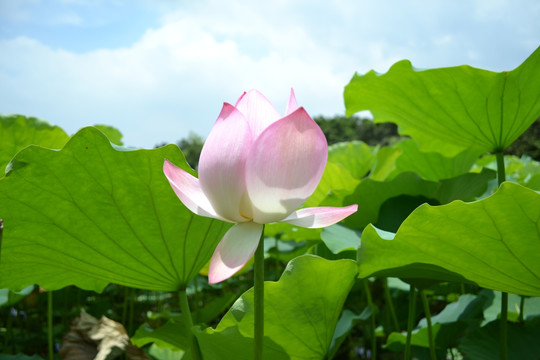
pixel 371 195
pixel 355 156
pixel 113 134
pixel 90 215
pixel 385 164
pixel 493 242
pixel 300 312
pixel 432 166
pixel 451 109
pixel 172 335
pixel 18 131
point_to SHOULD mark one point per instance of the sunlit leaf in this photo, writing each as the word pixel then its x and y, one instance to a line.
pixel 493 242
pixel 372 195
pixel 113 134
pixel 339 238
pixel 90 215
pixel 18 131
pixel 451 109
pixel 432 166
pixel 335 178
pixel 385 164
pixel 355 156
pixel 300 312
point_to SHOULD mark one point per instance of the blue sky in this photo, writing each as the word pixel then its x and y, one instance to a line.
pixel 160 69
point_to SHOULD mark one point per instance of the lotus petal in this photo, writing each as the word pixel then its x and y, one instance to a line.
pixel 292 105
pixel 222 165
pixel 285 165
pixel 233 252
pixel 188 190
pixel 318 217
pixel 259 112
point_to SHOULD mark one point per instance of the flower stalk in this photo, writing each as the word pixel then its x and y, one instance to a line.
pixel 501 177
pixel 427 313
pixel 186 312
pixel 258 298
pixel 410 322
pixel 50 324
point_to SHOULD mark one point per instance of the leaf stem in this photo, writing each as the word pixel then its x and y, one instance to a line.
pixel 258 299
pixel 390 304
pixel 501 177
pixel 410 321
pixel 131 309
pixel 504 326
pixel 373 323
pixel 50 323
pixel 427 313
pixel 501 173
pixel 521 309
pixel 186 312
pixel 125 306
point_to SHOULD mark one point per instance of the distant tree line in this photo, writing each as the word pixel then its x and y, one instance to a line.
pixel 343 128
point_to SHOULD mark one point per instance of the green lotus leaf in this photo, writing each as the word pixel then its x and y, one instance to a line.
pixel 432 166
pixel 355 156
pixel 301 311
pixel 493 242
pixel 407 191
pixel 483 343
pixel 113 134
pixel 451 109
pixel 18 131
pixel 90 215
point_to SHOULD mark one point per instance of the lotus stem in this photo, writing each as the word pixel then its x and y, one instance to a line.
pixel 427 313
pixel 258 298
pixel 131 310
pixel 50 341
pixel 186 312
pixel 501 177
pixel 390 305
pixel 521 309
pixel 373 324
pixel 125 306
pixel 410 321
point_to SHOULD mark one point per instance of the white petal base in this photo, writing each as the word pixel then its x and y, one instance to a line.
pixel 234 250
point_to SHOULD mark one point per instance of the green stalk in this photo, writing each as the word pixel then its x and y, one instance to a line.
pixel 125 306
pixel 504 326
pixel 390 303
pixel 184 307
pixel 258 298
pixel 50 324
pixel 410 322
pixel 427 313
pixel 521 309
pixel 196 295
pixel 501 177
pixel 9 331
pixel 131 310
pixel 373 324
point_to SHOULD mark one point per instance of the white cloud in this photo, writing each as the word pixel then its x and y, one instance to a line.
pixel 170 82
pixel 174 79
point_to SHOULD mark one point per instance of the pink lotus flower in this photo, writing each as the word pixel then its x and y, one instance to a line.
pixel 256 167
